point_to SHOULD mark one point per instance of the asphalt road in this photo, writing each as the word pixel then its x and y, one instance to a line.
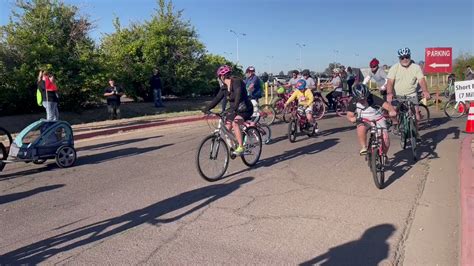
pixel 136 198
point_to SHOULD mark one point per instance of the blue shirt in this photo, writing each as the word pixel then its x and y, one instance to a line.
pixel 257 88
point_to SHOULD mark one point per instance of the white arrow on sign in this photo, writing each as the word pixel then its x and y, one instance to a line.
pixel 434 65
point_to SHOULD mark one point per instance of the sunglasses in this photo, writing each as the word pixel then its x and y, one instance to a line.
pixel 404 57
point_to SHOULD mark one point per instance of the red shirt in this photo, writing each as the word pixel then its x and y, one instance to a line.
pixel 50 86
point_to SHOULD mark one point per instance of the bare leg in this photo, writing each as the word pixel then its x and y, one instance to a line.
pixel 362 135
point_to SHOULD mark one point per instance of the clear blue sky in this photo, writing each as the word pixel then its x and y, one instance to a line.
pixel 350 32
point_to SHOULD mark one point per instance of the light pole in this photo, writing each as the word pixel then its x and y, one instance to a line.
pixel 237 36
pixel 271 58
pixel 301 47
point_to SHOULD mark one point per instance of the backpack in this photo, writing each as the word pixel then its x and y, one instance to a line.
pixel 39 97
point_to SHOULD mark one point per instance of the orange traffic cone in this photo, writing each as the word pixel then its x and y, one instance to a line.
pixel 470 119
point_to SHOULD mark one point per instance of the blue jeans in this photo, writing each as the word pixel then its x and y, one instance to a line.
pixel 157 97
pixel 52 112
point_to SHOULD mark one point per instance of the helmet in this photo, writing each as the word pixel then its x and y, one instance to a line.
pixel 305 72
pixel 404 52
pixel 336 71
pixel 360 91
pixel 224 69
pixel 280 90
pixel 250 69
pixel 373 63
pixel 295 72
pixel 301 84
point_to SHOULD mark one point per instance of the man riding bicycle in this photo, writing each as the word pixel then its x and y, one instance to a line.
pixel 254 88
pixel 403 78
pixel 336 83
pixel 379 76
pixel 366 105
pixel 305 101
pixel 240 108
pixel 294 79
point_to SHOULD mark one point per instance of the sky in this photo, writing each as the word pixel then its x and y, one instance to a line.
pixel 348 32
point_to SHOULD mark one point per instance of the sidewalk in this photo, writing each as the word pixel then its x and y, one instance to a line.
pixel 91 130
pixel 466 169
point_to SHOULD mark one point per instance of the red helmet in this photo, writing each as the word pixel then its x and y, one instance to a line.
pixel 374 63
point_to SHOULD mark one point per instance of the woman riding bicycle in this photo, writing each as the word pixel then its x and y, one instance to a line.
pixel 240 109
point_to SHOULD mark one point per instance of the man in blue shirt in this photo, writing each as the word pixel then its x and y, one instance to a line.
pixel 254 88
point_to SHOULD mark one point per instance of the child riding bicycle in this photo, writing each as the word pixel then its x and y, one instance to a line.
pixel 305 101
pixel 366 105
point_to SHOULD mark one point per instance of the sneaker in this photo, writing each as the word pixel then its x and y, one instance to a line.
pixel 363 151
pixel 239 150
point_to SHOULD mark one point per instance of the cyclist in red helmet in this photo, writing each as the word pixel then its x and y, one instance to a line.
pixel 240 109
pixel 379 76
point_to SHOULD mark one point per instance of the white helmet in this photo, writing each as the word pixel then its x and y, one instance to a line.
pixel 336 70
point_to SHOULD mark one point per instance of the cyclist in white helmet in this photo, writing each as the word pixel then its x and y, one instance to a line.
pixel 403 78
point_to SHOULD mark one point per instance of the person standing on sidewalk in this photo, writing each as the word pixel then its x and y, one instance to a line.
pixel 113 94
pixel 156 86
pixel 49 91
pixel 469 74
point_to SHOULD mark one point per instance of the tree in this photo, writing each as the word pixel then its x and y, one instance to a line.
pixel 331 67
pixel 49 35
pixel 460 64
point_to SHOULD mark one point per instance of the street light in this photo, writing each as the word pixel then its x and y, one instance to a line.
pixel 301 47
pixel 237 36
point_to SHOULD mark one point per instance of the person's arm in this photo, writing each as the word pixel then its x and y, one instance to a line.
pixel 366 80
pixel 391 111
pixel 292 98
pixel 236 85
pixel 351 117
pixel 422 81
pixel 215 101
pixel 107 94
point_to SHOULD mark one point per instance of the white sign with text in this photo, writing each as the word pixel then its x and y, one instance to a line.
pixel 464 90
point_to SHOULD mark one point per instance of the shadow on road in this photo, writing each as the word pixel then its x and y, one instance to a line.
pixel 44 249
pixel 48 167
pixel 332 131
pixel 118 124
pixel 25 194
pixel 113 144
pixel 116 154
pixel 402 161
pixel 370 249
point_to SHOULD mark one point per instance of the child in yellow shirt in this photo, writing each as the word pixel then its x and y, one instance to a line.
pixel 305 99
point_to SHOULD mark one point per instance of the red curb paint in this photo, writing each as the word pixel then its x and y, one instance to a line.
pixel 135 127
pixel 466 172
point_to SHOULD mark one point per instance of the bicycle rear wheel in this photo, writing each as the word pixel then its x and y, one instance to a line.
pixel 253 146
pixel 453 109
pixel 212 158
pixel 267 114
pixel 319 109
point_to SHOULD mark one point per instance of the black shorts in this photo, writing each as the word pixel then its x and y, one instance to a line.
pixel 245 115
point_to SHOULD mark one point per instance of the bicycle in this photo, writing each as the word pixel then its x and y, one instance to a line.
pixel 341 104
pixel 5 138
pixel 299 120
pixel 376 156
pixel 223 142
pixel 319 106
pixel 455 109
pixel 266 113
pixel 407 124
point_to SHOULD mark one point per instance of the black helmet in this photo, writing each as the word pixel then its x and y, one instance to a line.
pixel 360 91
pixel 305 72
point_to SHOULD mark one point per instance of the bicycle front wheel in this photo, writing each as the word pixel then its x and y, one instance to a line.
pixel 5 138
pixel 341 108
pixel 253 146
pixel 292 130
pixel 4 155
pixel 413 134
pixel 453 109
pixel 267 114
pixel 424 114
pixel 212 158
pixel 286 114
pixel 266 133
pixel 377 168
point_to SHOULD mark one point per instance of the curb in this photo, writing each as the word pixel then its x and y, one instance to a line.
pixel 466 171
pixel 122 129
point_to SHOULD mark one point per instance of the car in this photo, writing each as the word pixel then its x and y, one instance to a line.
pixel 281 79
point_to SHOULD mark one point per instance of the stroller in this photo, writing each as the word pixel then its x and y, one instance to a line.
pixel 40 141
